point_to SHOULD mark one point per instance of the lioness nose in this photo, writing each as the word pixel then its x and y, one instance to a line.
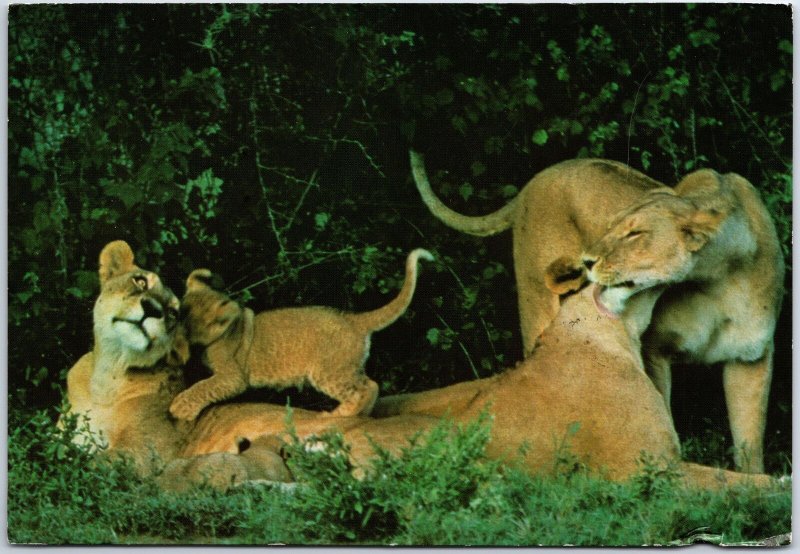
pixel 588 263
pixel 152 309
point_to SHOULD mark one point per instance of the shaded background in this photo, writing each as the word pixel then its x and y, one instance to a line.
pixel 269 143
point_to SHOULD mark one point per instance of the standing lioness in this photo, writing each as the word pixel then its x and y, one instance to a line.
pixel 713 242
pixel 560 212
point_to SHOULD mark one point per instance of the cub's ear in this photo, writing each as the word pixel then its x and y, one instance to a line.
pixel 269 442
pixel 179 353
pixel 199 279
pixel 699 227
pixel 565 275
pixel 242 444
pixel 115 259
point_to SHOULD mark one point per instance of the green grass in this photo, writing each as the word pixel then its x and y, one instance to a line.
pixel 441 491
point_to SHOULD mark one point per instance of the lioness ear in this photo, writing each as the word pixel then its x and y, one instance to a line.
pixel 702 181
pixel 199 279
pixel 269 442
pixel 115 259
pixel 179 353
pixel 564 276
pixel 700 227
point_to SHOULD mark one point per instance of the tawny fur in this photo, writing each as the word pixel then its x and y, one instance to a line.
pixel 562 211
pixel 312 345
pixel 257 461
pixel 585 371
pixel 713 242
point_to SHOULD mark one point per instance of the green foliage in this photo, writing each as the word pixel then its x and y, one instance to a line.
pixel 439 490
pixel 52 482
pixel 59 493
pixel 205 138
pixel 398 492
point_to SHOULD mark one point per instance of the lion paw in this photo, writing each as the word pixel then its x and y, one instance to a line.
pixel 184 409
pixel 360 403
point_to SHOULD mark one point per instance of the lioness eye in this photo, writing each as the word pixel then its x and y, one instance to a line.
pixel 140 281
pixel 633 235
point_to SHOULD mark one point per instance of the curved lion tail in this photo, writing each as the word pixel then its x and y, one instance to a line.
pixel 481 226
pixel 388 314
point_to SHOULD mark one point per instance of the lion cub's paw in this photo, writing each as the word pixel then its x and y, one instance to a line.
pixel 360 403
pixel 183 408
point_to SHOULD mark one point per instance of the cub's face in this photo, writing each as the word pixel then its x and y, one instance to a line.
pixel 135 316
pixel 649 244
pixel 207 314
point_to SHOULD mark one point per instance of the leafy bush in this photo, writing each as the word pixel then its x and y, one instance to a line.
pixel 59 493
pixel 398 492
pixel 52 483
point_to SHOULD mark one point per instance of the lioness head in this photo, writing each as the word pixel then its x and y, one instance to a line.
pixel 207 314
pixel 652 243
pixel 135 316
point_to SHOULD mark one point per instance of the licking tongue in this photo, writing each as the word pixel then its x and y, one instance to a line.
pixel 598 302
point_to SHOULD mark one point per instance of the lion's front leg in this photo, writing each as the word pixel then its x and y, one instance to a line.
pixel 537 308
pixel 659 369
pixel 188 404
pixel 747 394
pixel 359 402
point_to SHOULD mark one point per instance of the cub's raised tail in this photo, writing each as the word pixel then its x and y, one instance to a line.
pixel 481 226
pixel 388 314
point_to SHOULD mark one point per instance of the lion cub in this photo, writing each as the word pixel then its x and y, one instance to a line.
pixel 280 348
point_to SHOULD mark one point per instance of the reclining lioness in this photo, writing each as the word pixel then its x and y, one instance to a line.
pixel 583 382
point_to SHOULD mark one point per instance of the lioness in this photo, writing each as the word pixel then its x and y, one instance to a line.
pixel 713 241
pixel 583 383
pixel 562 211
pixel 320 346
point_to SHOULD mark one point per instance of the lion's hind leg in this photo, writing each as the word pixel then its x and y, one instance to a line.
pixel 355 398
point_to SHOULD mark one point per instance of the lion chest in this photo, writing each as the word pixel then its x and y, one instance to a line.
pixel 712 323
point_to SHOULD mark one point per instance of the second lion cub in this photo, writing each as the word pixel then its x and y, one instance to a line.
pixel 317 345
